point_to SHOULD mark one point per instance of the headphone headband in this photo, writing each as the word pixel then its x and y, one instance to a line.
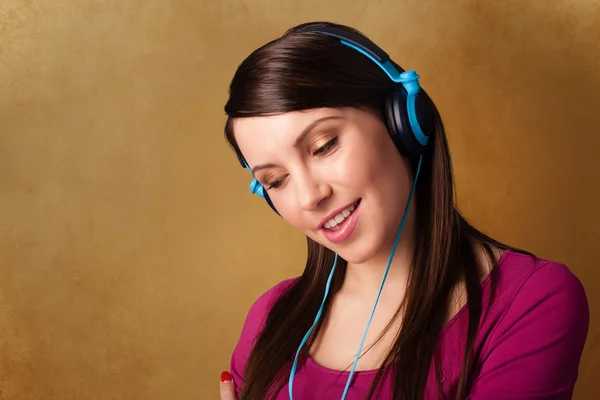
pixel 408 79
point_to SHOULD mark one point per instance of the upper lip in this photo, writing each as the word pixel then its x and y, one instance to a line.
pixel 334 213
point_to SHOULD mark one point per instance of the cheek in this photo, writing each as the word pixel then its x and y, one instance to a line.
pixel 357 166
pixel 368 167
pixel 386 179
pixel 290 213
pixel 300 225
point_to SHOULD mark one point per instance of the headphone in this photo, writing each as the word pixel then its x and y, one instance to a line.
pixel 410 123
pixel 409 119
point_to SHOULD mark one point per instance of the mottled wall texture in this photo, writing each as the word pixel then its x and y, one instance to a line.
pixel 130 246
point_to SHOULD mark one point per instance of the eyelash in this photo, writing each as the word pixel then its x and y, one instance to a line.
pixel 326 148
pixel 275 184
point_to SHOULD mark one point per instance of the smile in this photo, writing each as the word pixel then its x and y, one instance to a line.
pixel 342 224
pixel 340 217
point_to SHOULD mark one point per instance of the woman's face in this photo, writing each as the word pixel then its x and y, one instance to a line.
pixel 333 174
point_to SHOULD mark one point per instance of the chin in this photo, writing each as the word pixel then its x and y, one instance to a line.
pixel 353 253
pixel 355 257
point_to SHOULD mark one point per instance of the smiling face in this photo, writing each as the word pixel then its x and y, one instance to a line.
pixel 332 173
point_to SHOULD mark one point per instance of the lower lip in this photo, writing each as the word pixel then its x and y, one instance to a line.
pixel 345 228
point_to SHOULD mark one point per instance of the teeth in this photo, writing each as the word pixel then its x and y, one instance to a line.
pixel 339 218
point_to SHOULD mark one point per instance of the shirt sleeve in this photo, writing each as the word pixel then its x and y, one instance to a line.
pixel 253 325
pixel 535 349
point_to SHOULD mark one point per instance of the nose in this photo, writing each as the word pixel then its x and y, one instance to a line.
pixel 311 192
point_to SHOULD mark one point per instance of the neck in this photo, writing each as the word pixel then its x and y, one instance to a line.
pixel 364 279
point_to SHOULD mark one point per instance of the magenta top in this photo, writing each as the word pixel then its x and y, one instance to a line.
pixel 528 347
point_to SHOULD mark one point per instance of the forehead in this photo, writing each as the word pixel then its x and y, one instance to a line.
pixel 260 137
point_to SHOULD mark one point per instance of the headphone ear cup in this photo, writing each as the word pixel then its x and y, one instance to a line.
pixel 398 122
pixel 259 190
pixel 398 116
pixel 390 122
pixel 424 116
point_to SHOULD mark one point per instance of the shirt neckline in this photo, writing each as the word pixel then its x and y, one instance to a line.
pixel 484 284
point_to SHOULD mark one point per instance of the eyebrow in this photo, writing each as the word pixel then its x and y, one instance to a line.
pixel 300 138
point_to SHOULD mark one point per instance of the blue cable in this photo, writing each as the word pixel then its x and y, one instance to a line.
pixel 293 371
pixel 294 366
pixel 387 269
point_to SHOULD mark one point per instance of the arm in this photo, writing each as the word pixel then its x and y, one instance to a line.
pixel 253 326
pixel 535 349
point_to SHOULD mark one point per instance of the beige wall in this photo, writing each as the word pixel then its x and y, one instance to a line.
pixel 130 247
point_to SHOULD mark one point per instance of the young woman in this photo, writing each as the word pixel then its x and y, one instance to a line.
pixel 401 298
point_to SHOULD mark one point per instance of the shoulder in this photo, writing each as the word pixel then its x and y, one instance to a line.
pixel 253 325
pixel 261 307
pixel 527 283
pixel 539 291
pixel 535 326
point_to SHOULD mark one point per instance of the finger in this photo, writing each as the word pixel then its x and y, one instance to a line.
pixel 227 386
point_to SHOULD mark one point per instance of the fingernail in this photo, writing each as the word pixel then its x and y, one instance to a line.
pixel 225 377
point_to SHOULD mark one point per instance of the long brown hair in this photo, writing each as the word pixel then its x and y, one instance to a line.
pixel 300 71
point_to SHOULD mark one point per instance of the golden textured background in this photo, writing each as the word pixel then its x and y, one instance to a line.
pixel 130 246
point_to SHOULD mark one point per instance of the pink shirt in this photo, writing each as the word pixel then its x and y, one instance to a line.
pixel 529 345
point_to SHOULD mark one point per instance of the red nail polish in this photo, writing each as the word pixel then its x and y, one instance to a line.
pixel 225 377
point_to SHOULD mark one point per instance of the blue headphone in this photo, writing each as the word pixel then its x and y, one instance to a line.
pixel 410 124
pixel 408 118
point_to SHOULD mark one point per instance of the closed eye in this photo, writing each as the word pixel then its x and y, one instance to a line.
pixel 326 147
pixel 275 184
